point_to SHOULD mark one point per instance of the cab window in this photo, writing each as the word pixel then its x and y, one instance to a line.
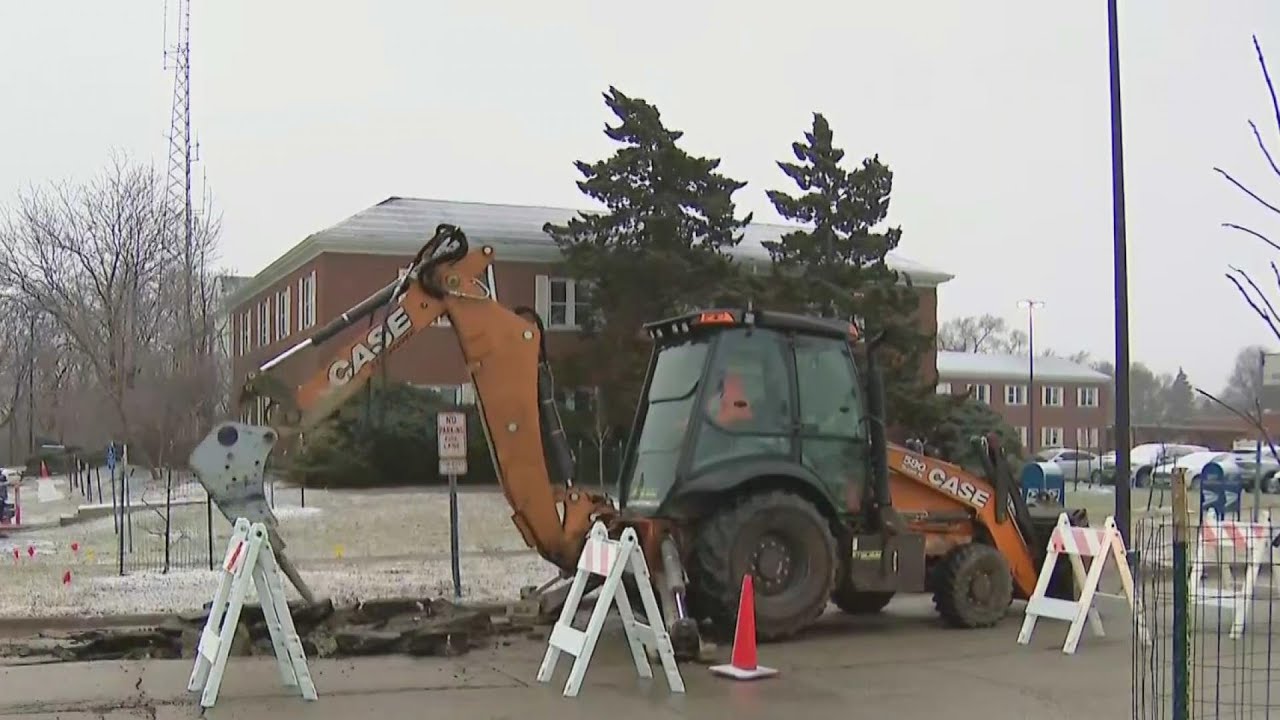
pixel 829 394
pixel 747 405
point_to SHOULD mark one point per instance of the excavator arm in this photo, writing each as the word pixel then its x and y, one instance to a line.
pixel 505 356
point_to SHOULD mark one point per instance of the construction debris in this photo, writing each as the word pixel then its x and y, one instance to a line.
pixel 409 626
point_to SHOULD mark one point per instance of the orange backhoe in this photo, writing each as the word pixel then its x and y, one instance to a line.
pixel 758 447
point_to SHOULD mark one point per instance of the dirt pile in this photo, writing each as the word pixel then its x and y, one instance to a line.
pixel 421 627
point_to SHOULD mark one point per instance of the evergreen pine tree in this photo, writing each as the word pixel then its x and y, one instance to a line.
pixel 836 266
pixel 658 248
pixel 1181 399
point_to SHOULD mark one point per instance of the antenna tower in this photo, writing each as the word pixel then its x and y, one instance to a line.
pixel 182 155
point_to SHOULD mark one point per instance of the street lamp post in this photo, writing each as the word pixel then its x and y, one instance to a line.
pixel 1031 306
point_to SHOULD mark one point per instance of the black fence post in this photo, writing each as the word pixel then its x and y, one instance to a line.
pixel 208 511
pixel 119 526
pixel 98 473
pixel 115 514
pixel 128 506
pixel 168 511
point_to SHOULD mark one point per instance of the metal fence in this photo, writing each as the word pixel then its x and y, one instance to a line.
pixel 1206 592
pixel 161 523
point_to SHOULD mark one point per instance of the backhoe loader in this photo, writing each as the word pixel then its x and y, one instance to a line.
pixel 758 446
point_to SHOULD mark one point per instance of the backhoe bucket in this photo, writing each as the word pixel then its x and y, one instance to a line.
pixel 230 463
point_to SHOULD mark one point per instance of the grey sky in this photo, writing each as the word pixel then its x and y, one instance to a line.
pixel 992 114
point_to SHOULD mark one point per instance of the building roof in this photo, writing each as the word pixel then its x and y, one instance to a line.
pixel 990 366
pixel 399 226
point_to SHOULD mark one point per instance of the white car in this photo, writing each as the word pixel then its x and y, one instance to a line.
pixel 1144 458
pixel 1194 463
pixel 1076 465
pixel 12 475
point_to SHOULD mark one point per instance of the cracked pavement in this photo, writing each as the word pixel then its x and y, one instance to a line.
pixel 901 664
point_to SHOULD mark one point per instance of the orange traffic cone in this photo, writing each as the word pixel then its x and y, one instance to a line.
pixel 743 665
pixel 44 470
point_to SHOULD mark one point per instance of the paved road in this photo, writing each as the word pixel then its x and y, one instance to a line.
pixel 900 664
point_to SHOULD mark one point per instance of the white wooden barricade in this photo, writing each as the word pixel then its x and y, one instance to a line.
pixel 1075 543
pixel 249 562
pixel 1230 540
pixel 610 559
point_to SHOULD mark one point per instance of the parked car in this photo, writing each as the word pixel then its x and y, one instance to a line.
pixel 1246 459
pixel 1162 474
pixel 1076 465
pixel 1143 460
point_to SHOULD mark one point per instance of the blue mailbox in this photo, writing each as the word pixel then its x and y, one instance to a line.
pixel 1043 483
pixel 1221 488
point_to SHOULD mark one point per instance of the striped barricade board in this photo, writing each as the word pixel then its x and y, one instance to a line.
pixel 1222 543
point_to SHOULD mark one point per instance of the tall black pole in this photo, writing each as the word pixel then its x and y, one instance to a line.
pixel 31 387
pixel 1031 305
pixel 1121 267
pixel 1031 379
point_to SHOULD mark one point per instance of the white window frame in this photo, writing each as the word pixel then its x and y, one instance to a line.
pixel 264 322
pixel 1050 437
pixel 1015 395
pixel 542 302
pixel 246 332
pixel 1087 438
pixel 1022 435
pixel 982 392
pixel 944 388
pixel 307 301
pixel 284 306
pixel 1051 396
pixel 1087 396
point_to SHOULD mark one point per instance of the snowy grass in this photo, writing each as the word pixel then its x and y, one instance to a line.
pixel 349 545
pixel 35 588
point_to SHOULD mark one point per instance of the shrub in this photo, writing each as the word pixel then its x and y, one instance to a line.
pixel 384 439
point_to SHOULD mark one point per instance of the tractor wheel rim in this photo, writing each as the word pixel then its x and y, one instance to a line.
pixel 772 564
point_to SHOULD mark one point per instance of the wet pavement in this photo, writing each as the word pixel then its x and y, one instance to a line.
pixel 900 664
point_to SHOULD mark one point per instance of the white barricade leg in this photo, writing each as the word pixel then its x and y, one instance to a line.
pixel 212 636
pixel 1085 599
pixel 660 638
pixel 244 568
pixel 562 641
pixel 290 656
pixel 1042 587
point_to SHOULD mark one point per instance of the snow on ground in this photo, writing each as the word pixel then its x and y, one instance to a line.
pixel 36 588
pixel 349 545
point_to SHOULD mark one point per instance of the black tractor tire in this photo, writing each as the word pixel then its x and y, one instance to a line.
pixel 855 602
pixel 796 543
pixel 973 587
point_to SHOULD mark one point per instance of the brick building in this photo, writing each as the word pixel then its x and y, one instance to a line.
pixel 333 269
pixel 1072 402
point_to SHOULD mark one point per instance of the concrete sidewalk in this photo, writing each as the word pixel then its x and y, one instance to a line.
pixel 901 664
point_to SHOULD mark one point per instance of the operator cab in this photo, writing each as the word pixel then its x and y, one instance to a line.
pixel 743 396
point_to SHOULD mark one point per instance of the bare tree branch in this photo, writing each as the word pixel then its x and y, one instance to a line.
pixel 1261 313
pixel 1254 233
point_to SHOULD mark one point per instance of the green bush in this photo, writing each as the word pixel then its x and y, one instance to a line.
pixel 385 439
pixel 966 418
